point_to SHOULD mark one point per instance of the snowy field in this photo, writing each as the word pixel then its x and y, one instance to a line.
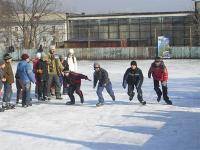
pixel 120 125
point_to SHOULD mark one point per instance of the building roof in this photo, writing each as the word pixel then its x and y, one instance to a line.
pixel 129 15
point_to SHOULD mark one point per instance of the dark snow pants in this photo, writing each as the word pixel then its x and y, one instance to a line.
pixel 164 91
pixel 72 89
pixel 131 91
pixel 42 89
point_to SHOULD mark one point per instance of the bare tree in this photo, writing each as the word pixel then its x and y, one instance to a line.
pixel 5 13
pixel 28 14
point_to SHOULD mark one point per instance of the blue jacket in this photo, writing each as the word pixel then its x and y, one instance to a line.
pixel 25 72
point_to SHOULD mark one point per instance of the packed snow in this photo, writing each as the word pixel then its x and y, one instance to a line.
pixel 120 125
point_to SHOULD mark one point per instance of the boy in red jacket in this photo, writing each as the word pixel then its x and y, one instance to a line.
pixel 159 73
pixel 72 81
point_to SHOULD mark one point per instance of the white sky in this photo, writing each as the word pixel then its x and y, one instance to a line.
pixel 108 6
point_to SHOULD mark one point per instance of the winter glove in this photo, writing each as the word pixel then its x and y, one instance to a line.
pixel 40 71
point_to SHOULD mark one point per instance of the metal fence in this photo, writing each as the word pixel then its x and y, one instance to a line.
pixel 118 53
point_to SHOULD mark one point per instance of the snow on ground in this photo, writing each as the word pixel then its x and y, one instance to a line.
pixel 120 125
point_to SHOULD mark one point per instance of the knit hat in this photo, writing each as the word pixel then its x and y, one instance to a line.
pixel 96 64
pixel 134 63
pixel 66 71
pixel 61 57
pixel 7 56
pixel 158 59
pixel 43 56
pixel 2 62
pixel 52 47
pixel 24 56
pixel 71 51
pixel 38 55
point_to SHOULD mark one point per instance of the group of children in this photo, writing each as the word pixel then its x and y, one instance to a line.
pixel 50 72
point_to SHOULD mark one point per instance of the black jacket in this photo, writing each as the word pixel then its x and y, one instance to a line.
pixel 101 76
pixel 133 77
pixel 42 71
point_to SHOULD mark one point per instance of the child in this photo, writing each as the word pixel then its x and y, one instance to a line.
pixel 101 75
pixel 35 64
pixel 159 72
pixel 42 77
pixel 72 80
pixel 134 77
pixel 71 60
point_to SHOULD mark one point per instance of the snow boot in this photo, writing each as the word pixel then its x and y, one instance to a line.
pixel 58 96
pixel 143 102
pixel 131 96
pixel 82 100
pixel 1 109
pixel 99 104
pixel 168 102
pixel 70 103
pixel 159 98
pixel 113 97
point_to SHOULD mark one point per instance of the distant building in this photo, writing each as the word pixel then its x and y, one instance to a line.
pixel 52 29
pixel 132 29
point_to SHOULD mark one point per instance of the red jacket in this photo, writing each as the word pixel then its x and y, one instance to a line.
pixel 159 73
pixel 73 78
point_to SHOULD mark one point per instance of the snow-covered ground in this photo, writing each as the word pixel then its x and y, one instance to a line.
pixel 120 125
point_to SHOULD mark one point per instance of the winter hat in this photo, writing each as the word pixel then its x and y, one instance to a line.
pixel 66 71
pixel 38 55
pixel 61 57
pixel 7 56
pixel 2 62
pixel 43 56
pixel 134 63
pixel 96 65
pixel 71 51
pixel 24 56
pixel 52 47
pixel 158 59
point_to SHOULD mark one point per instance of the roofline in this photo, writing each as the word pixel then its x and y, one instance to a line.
pixel 129 15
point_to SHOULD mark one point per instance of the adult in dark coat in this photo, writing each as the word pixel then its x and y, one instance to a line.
pixel 8 73
pixel 25 71
pixel 134 78
pixel 159 73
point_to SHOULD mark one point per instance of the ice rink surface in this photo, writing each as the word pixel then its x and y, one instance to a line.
pixel 120 125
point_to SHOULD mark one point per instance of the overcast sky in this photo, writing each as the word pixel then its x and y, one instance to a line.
pixel 108 6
